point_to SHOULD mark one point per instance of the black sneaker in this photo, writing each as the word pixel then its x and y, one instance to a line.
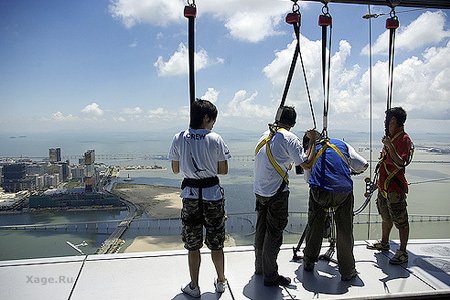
pixel 350 276
pixel 308 266
pixel 281 281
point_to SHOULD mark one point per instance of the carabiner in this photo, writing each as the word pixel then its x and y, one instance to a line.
pixel 392 13
pixel 295 7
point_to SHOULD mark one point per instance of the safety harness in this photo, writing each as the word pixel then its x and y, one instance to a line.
pixel 275 165
pixel 391 174
pixel 327 144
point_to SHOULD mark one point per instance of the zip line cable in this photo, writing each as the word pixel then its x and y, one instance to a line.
pixel 370 15
pixel 370 113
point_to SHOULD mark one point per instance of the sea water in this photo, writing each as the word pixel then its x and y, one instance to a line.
pixel 428 174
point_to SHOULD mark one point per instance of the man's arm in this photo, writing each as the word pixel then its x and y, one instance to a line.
pixel 311 151
pixel 392 152
pixel 175 166
pixel 222 167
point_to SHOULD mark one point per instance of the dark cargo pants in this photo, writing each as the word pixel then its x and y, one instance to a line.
pixel 272 219
pixel 319 201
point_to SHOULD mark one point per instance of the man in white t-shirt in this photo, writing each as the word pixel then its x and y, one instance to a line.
pixel 276 151
pixel 200 155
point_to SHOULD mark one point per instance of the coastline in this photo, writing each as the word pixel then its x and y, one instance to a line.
pixel 157 202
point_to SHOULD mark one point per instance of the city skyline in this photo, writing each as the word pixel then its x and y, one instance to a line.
pixel 122 65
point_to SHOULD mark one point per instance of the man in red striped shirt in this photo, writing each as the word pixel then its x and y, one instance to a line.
pixel 392 185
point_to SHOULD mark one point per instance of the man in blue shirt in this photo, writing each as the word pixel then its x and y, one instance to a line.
pixel 332 187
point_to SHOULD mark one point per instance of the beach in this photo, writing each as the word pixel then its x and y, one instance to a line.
pixel 157 202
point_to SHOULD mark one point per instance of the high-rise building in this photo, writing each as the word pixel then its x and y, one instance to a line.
pixel 89 159
pixel 15 179
pixel 54 154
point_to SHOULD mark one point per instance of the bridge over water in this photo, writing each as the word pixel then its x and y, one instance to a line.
pixel 242 223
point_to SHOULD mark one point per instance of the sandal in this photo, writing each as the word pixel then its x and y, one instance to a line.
pixel 379 246
pixel 399 258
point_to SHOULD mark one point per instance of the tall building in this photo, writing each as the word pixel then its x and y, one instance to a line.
pixel 89 172
pixel 54 154
pixel 15 179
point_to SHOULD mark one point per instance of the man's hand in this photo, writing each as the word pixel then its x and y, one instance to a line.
pixel 311 134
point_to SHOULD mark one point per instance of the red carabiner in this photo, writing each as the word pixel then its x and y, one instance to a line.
pixel 325 20
pixel 293 18
pixel 392 23
pixel 190 11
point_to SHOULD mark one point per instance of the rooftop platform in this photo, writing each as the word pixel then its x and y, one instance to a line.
pixel 159 275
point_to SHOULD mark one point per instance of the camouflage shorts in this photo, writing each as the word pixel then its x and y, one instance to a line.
pixel 393 209
pixel 195 214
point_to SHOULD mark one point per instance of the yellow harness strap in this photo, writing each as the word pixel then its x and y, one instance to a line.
pixel 277 167
pixel 332 146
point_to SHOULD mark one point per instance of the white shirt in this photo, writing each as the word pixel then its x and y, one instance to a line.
pixel 286 149
pixel 199 151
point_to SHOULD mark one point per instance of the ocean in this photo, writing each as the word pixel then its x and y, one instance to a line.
pixel 428 174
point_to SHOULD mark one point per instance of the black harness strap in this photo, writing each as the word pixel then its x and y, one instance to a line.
pixel 200 183
pixel 391 24
pixel 190 12
pixel 294 19
pixel 325 20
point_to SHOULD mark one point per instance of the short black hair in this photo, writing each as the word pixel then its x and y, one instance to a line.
pixel 199 109
pixel 288 116
pixel 399 113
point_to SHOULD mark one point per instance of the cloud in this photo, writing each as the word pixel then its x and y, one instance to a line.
pixel 177 64
pixel 120 119
pixel 251 26
pixel 133 111
pixel 93 109
pixel 427 29
pixel 59 116
pixel 243 105
pixel 157 12
pixel 134 44
pixel 211 95
pixel 420 85
pixel 249 20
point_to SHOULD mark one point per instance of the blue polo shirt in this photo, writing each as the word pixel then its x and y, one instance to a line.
pixel 331 172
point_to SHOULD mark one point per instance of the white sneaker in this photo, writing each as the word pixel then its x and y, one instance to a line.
pixel 190 291
pixel 220 286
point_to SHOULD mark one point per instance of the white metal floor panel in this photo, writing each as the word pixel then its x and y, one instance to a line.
pixel 159 275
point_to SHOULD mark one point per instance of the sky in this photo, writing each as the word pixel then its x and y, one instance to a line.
pixel 121 65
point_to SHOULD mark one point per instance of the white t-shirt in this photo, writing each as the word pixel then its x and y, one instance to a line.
pixel 199 151
pixel 286 149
